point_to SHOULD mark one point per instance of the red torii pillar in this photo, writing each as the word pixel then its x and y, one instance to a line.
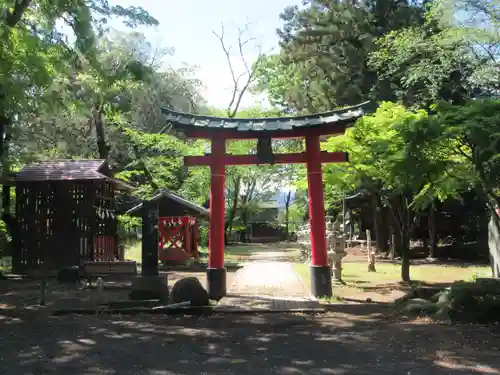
pixel 320 273
pixel 321 285
pixel 216 272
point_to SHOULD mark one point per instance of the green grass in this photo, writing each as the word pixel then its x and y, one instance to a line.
pixel 133 252
pixel 234 254
pixel 356 276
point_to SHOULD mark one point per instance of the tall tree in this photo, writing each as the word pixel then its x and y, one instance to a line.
pixel 453 56
pixel 240 85
pixel 388 155
pixel 325 45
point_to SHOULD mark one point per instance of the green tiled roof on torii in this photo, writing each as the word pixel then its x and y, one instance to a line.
pixel 182 121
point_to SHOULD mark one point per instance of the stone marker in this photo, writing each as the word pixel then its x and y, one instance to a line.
pixel 150 285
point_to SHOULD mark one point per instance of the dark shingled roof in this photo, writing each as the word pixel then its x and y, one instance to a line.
pixel 167 194
pixel 56 170
pixel 76 170
pixel 181 120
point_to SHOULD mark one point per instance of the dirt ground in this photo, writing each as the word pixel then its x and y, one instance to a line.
pixel 353 339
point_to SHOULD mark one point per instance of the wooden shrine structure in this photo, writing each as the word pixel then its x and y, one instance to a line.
pixel 310 127
pixel 65 215
pixel 177 225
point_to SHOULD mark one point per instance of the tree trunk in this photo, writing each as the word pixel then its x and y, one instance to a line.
pixel 432 231
pixel 10 221
pixel 384 230
pixel 380 239
pixel 405 254
pixel 287 214
pixel 244 220
pixel 398 242
pixel 405 266
pixel 232 210
pixel 4 157
pixel 102 146
pixel 406 226
pixel 494 244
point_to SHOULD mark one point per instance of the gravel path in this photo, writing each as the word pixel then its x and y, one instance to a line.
pixel 266 284
pixel 349 341
pixel 263 278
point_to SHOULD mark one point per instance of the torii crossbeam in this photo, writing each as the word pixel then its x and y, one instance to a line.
pixel 311 127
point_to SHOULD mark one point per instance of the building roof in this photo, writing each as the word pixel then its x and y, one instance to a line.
pixel 183 121
pixel 167 194
pixel 62 170
pixel 268 205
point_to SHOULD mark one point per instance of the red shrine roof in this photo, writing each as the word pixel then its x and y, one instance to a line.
pixel 198 125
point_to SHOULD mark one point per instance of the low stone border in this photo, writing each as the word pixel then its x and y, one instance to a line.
pixel 201 311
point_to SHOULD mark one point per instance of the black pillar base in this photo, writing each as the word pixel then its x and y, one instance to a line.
pixel 216 283
pixel 321 281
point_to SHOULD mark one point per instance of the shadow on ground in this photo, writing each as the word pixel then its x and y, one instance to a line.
pixel 351 339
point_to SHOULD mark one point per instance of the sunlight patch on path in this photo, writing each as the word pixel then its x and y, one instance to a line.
pixel 262 285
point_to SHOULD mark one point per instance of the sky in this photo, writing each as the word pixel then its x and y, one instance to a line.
pixel 187 26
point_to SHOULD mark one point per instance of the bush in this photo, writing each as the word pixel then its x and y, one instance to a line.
pixel 477 301
pixel 128 227
pixel 203 235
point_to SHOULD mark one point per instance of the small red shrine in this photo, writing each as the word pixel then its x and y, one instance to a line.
pixel 177 226
pixel 310 127
pixel 178 238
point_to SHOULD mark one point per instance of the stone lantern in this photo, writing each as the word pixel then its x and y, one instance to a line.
pixel 336 249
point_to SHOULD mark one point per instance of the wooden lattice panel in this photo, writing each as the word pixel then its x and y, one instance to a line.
pixel 178 238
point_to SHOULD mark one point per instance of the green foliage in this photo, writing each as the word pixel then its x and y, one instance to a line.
pixel 101 97
pixel 203 235
pixel 424 65
pixel 445 58
pixel 156 162
pixel 324 50
pixel 64 100
pixel 468 139
pixel 128 227
pixel 379 156
pixel 472 302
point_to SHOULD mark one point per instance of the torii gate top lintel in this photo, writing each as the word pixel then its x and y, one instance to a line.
pixel 208 127
pixel 310 127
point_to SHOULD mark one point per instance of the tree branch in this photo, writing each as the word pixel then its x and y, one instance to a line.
pixel 13 17
pixel 227 53
pixel 237 92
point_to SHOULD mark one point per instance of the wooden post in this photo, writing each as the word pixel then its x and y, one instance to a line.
pixel 321 278
pixel 216 273
pixel 195 238
pixel 149 238
pixel 187 236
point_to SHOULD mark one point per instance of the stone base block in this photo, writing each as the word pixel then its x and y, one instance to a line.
pixel 216 283
pixel 321 281
pixel 149 287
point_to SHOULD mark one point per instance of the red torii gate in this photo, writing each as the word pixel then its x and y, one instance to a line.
pixel 311 127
